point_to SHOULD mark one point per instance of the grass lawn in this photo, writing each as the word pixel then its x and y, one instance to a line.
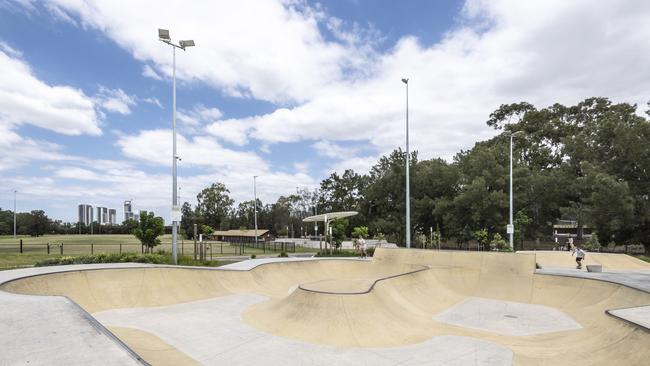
pixel 12 261
pixel 36 248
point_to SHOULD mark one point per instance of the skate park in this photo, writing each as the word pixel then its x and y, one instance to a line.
pixel 404 306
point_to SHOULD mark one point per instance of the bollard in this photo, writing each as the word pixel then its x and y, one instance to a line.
pixel 21 246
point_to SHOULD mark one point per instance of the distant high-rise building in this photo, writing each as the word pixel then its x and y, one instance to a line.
pixel 85 214
pixel 102 215
pixel 128 211
pixel 112 216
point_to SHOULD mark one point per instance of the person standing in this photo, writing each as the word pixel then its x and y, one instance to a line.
pixel 580 255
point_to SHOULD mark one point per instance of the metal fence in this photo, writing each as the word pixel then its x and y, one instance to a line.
pixel 185 247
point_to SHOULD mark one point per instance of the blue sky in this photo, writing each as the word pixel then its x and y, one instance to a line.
pixel 287 90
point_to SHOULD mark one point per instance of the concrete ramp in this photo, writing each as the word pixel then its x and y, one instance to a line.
pixel 609 261
pixel 403 307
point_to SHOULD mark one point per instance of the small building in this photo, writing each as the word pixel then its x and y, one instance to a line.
pixel 566 231
pixel 241 236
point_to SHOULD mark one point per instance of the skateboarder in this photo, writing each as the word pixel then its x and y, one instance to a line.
pixel 580 255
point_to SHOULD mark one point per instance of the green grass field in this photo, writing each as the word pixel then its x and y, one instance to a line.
pixel 36 248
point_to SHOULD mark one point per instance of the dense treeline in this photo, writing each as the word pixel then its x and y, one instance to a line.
pixel 588 163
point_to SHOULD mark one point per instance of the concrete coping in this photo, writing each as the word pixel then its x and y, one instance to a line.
pixel 353 287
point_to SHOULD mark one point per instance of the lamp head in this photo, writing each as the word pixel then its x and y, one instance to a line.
pixel 186 43
pixel 163 34
pixel 405 81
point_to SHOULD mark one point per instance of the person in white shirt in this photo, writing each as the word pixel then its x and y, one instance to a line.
pixel 362 246
pixel 580 255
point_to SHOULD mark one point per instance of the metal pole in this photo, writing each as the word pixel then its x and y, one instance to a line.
pixel 15 214
pixel 255 203
pixel 174 189
pixel 512 232
pixel 408 162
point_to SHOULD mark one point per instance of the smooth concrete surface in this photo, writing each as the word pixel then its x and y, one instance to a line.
pixel 507 317
pixel 395 317
pixel 249 264
pixel 608 261
pixel 639 280
pixel 53 330
pixel 213 333
pixel 637 315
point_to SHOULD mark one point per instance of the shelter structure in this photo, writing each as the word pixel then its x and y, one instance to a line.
pixel 240 236
pixel 327 218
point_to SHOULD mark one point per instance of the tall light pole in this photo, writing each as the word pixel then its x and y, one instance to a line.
pixel 15 191
pixel 255 203
pixel 510 229
pixel 408 162
pixel 163 36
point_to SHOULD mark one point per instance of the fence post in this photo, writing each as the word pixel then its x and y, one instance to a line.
pixel 211 251
pixel 61 248
pixel 21 246
pixel 221 247
pixel 48 248
pixel 195 248
pixel 120 248
pixel 92 248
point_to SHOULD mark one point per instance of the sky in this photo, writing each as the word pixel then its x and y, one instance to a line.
pixel 288 90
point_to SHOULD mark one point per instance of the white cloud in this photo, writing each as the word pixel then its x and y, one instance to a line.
pixel 24 99
pixel 501 52
pixel 155 147
pixel 12 52
pixel 149 72
pixel 269 50
pixel 152 100
pixel 115 100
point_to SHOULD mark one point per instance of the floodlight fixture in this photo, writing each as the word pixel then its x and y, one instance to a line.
pixel 186 43
pixel 405 81
pixel 163 34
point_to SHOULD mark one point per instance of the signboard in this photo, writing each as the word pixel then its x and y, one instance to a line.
pixel 176 213
pixel 510 229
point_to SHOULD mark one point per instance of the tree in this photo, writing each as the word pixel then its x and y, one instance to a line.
pixel 206 230
pixel 34 223
pixel 360 232
pixel 521 221
pixel 481 237
pixel 189 218
pixel 149 229
pixel 339 228
pixel 214 204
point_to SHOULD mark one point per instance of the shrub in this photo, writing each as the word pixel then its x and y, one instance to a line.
pixel 283 255
pixel 498 243
pixel 253 256
pixel 593 244
pixel 105 258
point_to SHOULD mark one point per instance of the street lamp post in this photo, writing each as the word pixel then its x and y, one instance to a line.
pixel 408 162
pixel 255 203
pixel 15 191
pixel 511 228
pixel 163 36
